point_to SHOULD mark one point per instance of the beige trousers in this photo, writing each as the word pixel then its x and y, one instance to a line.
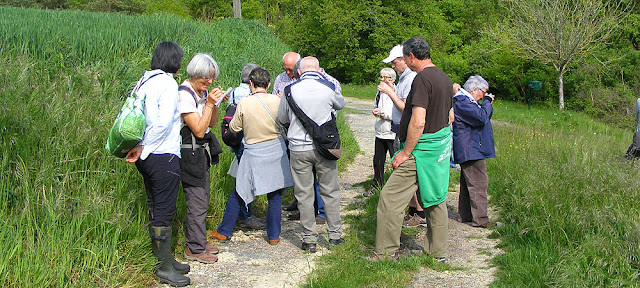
pixel 394 197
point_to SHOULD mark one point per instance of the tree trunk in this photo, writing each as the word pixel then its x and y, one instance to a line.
pixel 561 90
pixel 237 9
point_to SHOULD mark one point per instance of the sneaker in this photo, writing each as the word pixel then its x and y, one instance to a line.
pixel 336 242
pixel 211 249
pixel 203 257
pixel 251 223
pixel 215 235
pixel 274 242
pixel 369 193
pixel 311 247
pixel 294 216
pixel 407 216
pixel 416 221
pixel 320 220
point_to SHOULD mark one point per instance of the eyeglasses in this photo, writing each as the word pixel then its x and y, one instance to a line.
pixel 385 77
pixel 287 69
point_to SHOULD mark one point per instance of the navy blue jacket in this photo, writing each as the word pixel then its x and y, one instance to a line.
pixel 472 133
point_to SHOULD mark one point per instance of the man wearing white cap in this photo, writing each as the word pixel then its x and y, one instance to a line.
pixel 399 96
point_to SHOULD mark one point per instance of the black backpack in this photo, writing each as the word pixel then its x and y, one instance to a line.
pixel 325 136
pixel 232 140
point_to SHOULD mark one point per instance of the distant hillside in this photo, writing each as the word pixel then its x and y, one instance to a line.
pixel 71 215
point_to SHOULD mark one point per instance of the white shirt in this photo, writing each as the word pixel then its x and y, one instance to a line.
pixel 402 90
pixel 162 134
pixel 383 126
pixel 186 103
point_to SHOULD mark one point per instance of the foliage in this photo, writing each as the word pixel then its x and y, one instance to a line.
pixel 559 32
pixel 71 214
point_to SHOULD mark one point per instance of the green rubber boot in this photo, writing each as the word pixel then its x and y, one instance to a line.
pixel 165 271
pixel 180 267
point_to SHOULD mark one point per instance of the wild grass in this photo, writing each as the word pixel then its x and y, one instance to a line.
pixel 366 92
pixel 72 215
pixel 569 202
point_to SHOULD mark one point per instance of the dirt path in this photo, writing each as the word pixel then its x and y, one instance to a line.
pixel 247 260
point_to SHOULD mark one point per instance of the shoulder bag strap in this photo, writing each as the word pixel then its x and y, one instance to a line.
pixel 280 127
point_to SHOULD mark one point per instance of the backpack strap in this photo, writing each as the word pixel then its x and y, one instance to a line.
pixel 193 137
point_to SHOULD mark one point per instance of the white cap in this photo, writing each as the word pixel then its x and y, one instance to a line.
pixel 395 53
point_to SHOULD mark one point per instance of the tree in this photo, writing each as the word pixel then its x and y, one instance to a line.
pixel 559 32
pixel 237 9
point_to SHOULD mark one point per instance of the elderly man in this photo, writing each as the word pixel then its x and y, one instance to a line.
pixel 423 161
pixel 288 76
pixel 316 97
pixel 472 143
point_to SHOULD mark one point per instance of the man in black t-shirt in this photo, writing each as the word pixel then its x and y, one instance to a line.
pixel 426 147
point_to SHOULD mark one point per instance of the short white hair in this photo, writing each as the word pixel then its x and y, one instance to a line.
pixel 475 82
pixel 389 71
pixel 309 63
pixel 203 66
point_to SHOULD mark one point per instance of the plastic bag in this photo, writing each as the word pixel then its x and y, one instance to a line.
pixel 128 129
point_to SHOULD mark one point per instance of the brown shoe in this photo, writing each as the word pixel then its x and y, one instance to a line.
pixel 320 220
pixel 211 249
pixel 487 225
pixel 416 221
pixel 215 235
pixel 203 257
pixel 274 242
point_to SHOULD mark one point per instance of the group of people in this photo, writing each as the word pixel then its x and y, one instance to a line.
pixel 422 121
pixel 414 127
pixel 179 147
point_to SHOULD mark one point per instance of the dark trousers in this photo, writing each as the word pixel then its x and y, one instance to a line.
pixel 161 174
pixel 382 146
pixel 235 204
pixel 472 203
pixel 197 200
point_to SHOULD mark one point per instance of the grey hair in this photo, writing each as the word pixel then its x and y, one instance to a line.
pixel 309 63
pixel 475 82
pixel 203 66
pixel 389 71
pixel 246 71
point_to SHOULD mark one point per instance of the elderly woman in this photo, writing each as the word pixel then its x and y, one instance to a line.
pixel 157 156
pixel 383 109
pixel 264 168
pixel 472 143
pixel 199 151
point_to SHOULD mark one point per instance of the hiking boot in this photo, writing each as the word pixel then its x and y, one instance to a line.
pixel 416 221
pixel 320 220
pixel 203 257
pixel 161 247
pixel 215 235
pixel 251 223
pixel 487 225
pixel 369 192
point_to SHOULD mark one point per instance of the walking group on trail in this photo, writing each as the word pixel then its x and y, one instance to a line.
pixel 421 123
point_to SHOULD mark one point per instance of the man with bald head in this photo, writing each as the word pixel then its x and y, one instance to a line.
pixel 317 97
pixel 287 77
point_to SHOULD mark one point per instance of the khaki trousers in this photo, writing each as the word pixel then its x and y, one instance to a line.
pixel 394 197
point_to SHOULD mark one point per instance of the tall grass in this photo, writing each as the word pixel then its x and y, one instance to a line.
pixel 71 215
pixel 570 203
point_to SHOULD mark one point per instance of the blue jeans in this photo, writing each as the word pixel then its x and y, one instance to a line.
pixel 318 204
pixel 245 213
pixel 235 205
pixel 638 114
